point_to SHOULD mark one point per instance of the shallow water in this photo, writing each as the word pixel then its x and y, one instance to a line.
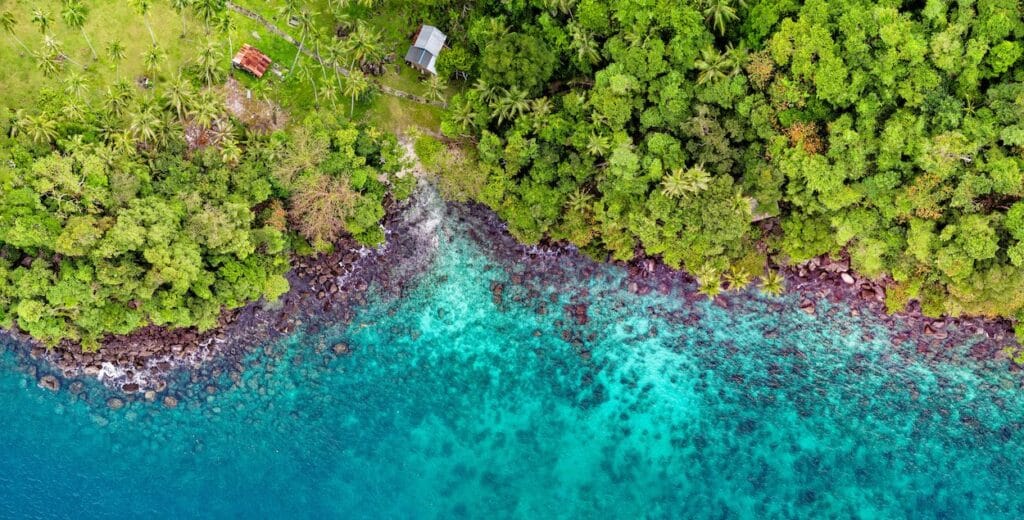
pixel 452 406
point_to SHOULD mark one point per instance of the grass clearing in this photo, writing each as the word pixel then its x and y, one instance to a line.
pixel 110 21
pixel 106 22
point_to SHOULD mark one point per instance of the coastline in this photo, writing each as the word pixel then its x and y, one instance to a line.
pixel 328 288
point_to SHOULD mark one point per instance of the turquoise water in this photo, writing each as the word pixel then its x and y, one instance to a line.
pixel 451 405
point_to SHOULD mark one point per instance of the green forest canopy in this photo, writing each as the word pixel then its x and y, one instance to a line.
pixel 887 129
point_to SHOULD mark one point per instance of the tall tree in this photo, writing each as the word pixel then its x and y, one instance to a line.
pixel 152 59
pixel 206 110
pixel 42 19
pixel 75 86
pixel 8 24
pixel 306 21
pixel 142 6
pixel 181 6
pixel 436 86
pixel 209 60
pixel 305 73
pixel 178 95
pixel 356 84
pixel 208 10
pixel 718 13
pixel 116 53
pixel 226 25
pixel 364 44
pixel 74 14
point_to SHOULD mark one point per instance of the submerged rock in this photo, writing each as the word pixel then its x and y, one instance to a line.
pixel 49 382
pixel 170 401
pixel 115 403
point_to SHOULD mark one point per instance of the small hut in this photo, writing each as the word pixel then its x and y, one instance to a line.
pixel 427 44
pixel 251 60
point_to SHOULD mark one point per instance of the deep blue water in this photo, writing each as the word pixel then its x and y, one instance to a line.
pixel 453 406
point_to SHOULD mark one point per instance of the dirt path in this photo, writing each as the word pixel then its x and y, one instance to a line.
pixel 312 54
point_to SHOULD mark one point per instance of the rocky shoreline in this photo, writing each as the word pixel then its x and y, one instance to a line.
pixel 819 280
pixel 329 288
pixel 324 289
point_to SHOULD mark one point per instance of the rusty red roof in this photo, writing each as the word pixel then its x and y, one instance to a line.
pixel 251 60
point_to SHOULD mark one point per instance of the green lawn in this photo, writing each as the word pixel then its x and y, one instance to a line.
pixel 106 21
pixel 109 20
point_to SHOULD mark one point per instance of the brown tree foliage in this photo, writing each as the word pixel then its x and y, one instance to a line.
pixel 320 206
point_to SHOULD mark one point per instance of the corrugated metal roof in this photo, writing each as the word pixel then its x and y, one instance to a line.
pixel 431 39
pixel 251 60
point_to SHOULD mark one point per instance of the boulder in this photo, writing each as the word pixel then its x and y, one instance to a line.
pixel 847 279
pixel 49 382
pixel 807 306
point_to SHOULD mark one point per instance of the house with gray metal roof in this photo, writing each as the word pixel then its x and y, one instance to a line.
pixel 426 46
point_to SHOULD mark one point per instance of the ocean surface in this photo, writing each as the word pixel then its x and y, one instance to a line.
pixel 453 405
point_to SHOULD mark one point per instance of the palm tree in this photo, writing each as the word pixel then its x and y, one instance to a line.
pixel 356 84
pixel 580 201
pixel 74 14
pixel 511 105
pixel 208 10
pixel 486 92
pixel 681 183
pixel 331 92
pixel 305 25
pixel 53 45
pixel 8 23
pixel 230 152
pixel 584 44
pixel 463 114
pixel 116 53
pixel 48 62
pixel 179 95
pixel 75 85
pixel 42 19
pixel 364 44
pixel 598 145
pixel 181 6
pixel 563 7
pixel 709 280
pixel 717 12
pixel 152 59
pixel 142 6
pixel 773 283
pixel 72 110
pixel 436 86
pixel 306 73
pixel 289 8
pixel 713 65
pixel 208 61
pixel 145 125
pixel 40 128
pixel 226 24
pixel 336 53
pixel 119 97
pixel 124 143
pixel 737 278
pixel 206 110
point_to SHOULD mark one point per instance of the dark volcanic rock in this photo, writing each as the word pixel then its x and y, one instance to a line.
pixel 49 382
